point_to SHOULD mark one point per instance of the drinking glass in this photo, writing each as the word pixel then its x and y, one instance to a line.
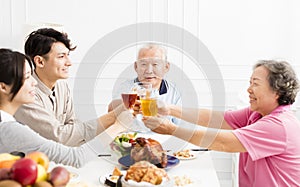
pixel 147 98
pixel 129 100
pixel 143 89
pixel 144 92
pixel 149 106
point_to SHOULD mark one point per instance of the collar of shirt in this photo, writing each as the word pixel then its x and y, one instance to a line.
pixel 163 89
pixel 281 108
pixel 47 91
pixel 5 117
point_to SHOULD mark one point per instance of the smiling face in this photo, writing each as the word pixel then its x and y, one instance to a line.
pixel 26 94
pixel 54 65
pixel 58 62
pixel 151 66
pixel 262 98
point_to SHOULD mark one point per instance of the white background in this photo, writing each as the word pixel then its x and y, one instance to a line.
pixel 237 33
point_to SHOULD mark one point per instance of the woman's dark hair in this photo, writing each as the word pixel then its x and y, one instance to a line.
pixel 282 79
pixel 12 65
pixel 39 42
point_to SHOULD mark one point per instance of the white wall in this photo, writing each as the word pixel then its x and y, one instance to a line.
pixel 237 33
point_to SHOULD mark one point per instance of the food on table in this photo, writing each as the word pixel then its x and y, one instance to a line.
pixel 112 179
pixel 184 154
pixel 123 143
pixel 59 176
pixel 32 170
pixel 149 150
pixel 9 183
pixel 39 158
pixel 117 172
pixel 182 180
pixel 144 171
pixel 42 184
pixel 7 160
pixel 8 156
pixel 24 171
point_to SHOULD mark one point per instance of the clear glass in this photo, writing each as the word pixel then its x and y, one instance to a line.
pixel 129 100
pixel 143 89
pixel 147 98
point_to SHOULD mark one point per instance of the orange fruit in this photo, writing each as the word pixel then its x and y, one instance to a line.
pixel 7 163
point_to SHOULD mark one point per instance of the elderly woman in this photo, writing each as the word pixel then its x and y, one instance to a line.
pixel 17 87
pixel 266 134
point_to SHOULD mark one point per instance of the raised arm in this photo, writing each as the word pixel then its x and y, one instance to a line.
pixel 214 139
pixel 203 117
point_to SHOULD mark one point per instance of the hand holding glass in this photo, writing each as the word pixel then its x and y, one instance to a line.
pixel 148 101
pixel 129 100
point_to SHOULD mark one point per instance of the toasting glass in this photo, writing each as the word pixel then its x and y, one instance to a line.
pixel 129 100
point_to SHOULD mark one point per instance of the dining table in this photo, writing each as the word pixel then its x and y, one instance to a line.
pixel 197 171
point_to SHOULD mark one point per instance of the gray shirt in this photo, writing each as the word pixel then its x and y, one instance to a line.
pixel 53 116
pixel 17 137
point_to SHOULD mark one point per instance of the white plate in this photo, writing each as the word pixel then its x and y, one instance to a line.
pixel 192 156
pixel 188 155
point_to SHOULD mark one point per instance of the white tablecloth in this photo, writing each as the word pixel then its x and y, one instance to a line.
pixel 200 170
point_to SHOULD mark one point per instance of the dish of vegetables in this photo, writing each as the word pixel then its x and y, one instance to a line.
pixel 123 143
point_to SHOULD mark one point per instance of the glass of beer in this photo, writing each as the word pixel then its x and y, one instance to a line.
pixel 147 98
pixel 129 100
pixel 149 106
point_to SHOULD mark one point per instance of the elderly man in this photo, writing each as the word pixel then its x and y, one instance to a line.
pixel 151 66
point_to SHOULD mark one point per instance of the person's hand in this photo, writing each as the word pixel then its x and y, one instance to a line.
pixel 137 107
pixel 159 124
pixel 162 108
pixel 124 120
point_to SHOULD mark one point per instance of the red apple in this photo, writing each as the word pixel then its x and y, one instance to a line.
pixel 24 171
pixel 39 158
pixel 59 176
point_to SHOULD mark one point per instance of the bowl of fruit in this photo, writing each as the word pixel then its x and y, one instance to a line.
pixel 122 143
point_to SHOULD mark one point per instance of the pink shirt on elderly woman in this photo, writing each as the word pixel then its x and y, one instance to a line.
pixel 273 147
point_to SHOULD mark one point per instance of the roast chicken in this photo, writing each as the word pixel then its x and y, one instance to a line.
pixel 149 150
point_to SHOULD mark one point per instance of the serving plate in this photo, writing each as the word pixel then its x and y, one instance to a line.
pixel 126 161
pixel 190 157
pixel 185 155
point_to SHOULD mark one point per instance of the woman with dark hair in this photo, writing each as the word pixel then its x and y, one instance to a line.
pixel 266 134
pixel 17 87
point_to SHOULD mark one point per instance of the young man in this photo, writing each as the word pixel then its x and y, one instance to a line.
pixel 52 114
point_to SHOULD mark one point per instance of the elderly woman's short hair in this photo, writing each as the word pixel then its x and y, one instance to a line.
pixel 282 79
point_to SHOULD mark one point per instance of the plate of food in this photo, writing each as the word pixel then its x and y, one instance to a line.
pixel 127 161
pixel 184 155
pixel 145 174
pixel 148 149
pixel 111 179
pixel 122 143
